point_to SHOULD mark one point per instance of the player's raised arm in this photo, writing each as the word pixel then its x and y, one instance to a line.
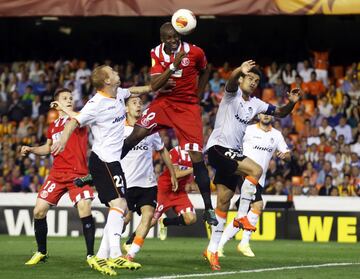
pixel 37 150
pixel 158 81
pixel 232 84
pixel 59 146
pixel 139 90
pixel 164 153
pixel 293 96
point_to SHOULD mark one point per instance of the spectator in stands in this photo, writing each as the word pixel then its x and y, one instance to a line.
pixel 325 128
pixel 323 173
pixel 321 63
pixel 334 118
pixel 306 71
pixel 16 110
pixel 325 107
pixel 344 129
pixel 335 96
pixel 347 188
pixel 334 192
pixel 216 82
pixel 288 74
pixel 325 190
pixel 225 71
pixel 273 73
pixel 354 117
pixel 316 118
pixel 355 147
pixel 315 88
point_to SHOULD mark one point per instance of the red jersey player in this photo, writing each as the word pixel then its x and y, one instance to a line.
pixel 168 197
pixel 178 73
pixel 67 165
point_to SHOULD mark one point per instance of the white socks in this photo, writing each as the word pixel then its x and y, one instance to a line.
pixel 248 190
pixel 110 243
pixel 253 219
pixel 230 231
pixel 103 252
pixel 136 246
pixel 217 231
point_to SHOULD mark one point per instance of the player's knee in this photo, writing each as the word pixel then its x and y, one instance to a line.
pixel 223 203
pixel 39 213
pixel 189 218
pixel 84 208
pixel 256 171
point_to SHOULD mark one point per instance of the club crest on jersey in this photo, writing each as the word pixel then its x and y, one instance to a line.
pixel 272 140
pixel 250 110
pixel 185 62
pixel 44 194
pixel 145 122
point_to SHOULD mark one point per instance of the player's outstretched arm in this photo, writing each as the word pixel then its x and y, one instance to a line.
pixel 68 111
pixel 139 90
pixel 160 80
pixel 69 128
pixel 164 153
pixel 232 84
pixel 294 96
pixel 37 150
pixel 284 156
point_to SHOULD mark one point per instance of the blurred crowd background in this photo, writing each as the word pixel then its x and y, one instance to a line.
pixel 323 132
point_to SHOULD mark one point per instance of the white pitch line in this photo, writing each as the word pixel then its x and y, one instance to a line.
pixel 250 271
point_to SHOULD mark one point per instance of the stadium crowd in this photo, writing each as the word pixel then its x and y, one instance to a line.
pixel 323 132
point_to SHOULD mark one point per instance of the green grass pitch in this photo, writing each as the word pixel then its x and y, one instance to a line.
pixel 181 256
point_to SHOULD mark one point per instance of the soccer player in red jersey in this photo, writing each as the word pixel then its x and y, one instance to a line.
pixel 67 166
pixel 178 73
pixel 177 199
pixel 169 197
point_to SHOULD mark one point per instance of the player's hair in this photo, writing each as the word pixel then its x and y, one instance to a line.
pixel 98 77
pixel 59 91
pixel 256 71
pixel 131 97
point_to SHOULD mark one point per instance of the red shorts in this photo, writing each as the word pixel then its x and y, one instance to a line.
pixel 57 184
pixel 184 118
pixel 179 201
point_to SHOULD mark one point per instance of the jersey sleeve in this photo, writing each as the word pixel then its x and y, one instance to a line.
pixel 201 60
pixel 282 146
pixel 157 142
pixel 263 107
pixel 175 156
pixel 87 114
pixel 123 93
pixel 48 133
pixel 156 67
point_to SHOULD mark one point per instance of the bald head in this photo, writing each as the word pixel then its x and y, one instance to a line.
pixel 169 37
pixel 166 28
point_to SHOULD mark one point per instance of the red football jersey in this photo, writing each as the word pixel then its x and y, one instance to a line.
pixel 186 77
pixel 181 158
pixel 73 158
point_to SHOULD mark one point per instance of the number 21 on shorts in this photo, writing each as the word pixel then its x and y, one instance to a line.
pixel 119 183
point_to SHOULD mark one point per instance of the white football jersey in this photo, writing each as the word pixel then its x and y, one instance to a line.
pixel 232 118
pixel 138 163
pixel 260 146
pixel 105 116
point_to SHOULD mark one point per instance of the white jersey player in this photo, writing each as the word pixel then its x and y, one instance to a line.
pixel 141 182
pixel 225 149
pixel 261 141
pixel 105 114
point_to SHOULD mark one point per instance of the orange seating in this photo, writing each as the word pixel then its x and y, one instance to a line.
pixel 296 180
